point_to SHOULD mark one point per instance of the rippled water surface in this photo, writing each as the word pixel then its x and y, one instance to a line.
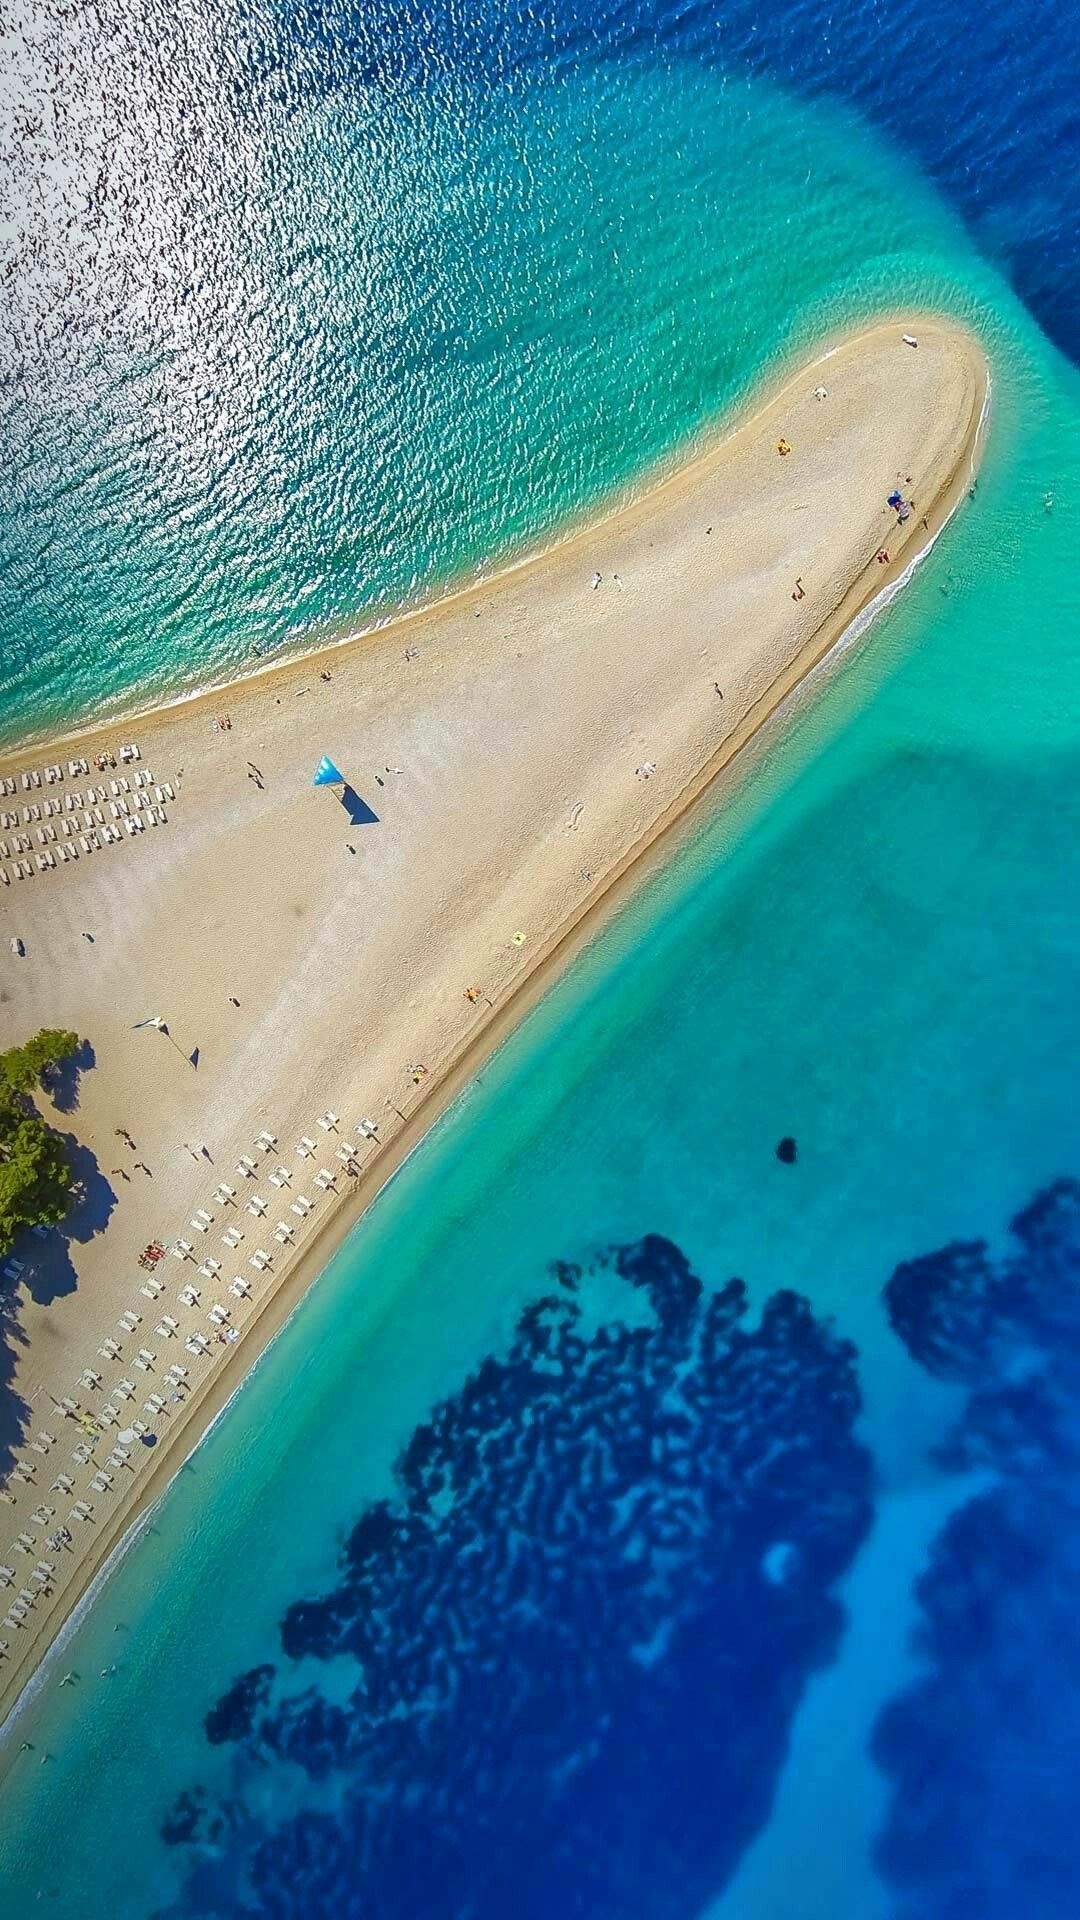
pixel 629 1524
pixel 307 308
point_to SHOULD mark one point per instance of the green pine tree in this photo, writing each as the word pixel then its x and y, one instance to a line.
pixel 35 1178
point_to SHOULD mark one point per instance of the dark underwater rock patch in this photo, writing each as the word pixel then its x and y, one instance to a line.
pixel 583 1625
pixel 982 1751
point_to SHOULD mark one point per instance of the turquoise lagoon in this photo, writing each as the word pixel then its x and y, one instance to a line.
pixel 872 945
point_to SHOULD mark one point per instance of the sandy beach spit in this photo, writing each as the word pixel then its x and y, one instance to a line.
pixel 511 752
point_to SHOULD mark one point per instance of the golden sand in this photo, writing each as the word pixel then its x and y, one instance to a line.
pixel 520 744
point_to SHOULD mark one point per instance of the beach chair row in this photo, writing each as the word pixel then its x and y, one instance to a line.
pixel 31 779
pixel 101 1477
pixel 90 841
pixel 145 792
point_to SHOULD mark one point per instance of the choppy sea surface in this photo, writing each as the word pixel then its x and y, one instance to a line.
pixel 628 1524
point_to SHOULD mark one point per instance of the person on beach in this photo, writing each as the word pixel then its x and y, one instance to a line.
pixel 783 448
pixel 882 557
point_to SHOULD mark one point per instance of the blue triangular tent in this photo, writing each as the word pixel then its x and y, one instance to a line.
pixel 327 775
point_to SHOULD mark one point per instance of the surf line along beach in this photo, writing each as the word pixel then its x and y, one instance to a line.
pixel 331 962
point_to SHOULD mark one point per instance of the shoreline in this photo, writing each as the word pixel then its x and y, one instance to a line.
pixel 673 469
pixel 867 595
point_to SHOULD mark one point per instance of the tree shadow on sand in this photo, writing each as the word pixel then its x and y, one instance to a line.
pixel 52 1275
pixel 14 1410
pixel 63 1087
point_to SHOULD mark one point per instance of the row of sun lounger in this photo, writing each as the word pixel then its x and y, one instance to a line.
pixel 39 777
pixel 98 834
pixel 173 1381
pixel 144 794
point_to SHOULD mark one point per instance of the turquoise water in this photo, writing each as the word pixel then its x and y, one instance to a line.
pixel 445 322
pixel 874 948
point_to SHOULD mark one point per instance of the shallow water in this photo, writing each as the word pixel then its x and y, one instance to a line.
pixel 634 1654
pixel 399 333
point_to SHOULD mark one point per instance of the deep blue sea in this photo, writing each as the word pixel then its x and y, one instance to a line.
pixel 630 1524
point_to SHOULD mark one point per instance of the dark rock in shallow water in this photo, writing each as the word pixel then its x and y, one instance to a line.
pixel 787 1150
pixel 233 1718
pixel 982 1749
pixel 578 1664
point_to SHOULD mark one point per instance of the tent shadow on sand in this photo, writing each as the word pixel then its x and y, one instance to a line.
pixel 360 814
pixel 358 811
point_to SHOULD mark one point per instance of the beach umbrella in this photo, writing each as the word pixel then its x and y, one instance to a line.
pixel 327 775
